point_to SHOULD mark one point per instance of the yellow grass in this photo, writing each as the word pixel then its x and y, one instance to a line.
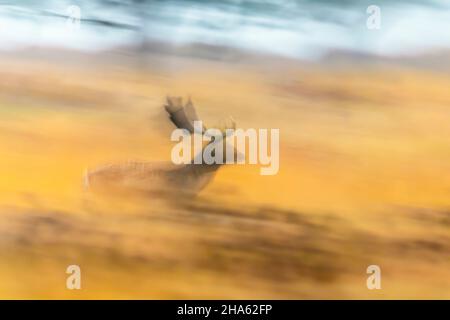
pixel 364 179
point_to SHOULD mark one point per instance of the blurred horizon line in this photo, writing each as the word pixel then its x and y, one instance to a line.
pixel 298 29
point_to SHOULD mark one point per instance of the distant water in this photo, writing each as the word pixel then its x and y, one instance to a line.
pixel 295 28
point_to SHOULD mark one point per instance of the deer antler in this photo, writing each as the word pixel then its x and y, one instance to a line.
pixel 182 116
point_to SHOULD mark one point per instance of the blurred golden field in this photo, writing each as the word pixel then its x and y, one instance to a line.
pixel 364 179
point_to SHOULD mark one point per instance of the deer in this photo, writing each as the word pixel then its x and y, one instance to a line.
pixel 162 177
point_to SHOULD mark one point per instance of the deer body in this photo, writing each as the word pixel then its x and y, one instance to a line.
pixel 152 177
pixel 160 177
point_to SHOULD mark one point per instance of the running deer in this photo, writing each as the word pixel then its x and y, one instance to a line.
pixel 161 177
